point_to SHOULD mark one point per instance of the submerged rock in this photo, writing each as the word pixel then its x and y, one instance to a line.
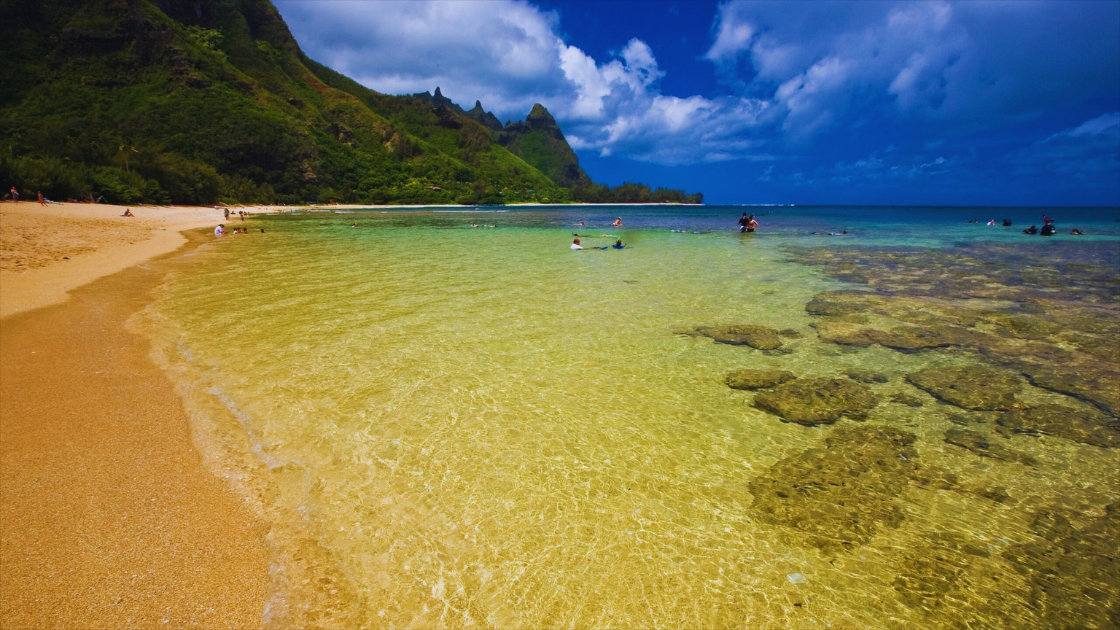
pixel 1072 571
pixel 838 303
pixel 931 570
pixel 757 379
pixel 758 337
pixel 1058 420
pixel 973 387
pixel 816 400
pixel 901 338
pixel 1090 383
pixel 840 494
pixel 906 399
pixel 866 376
pixel 979 444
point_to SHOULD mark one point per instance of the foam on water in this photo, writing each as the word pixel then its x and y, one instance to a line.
pixel 480 427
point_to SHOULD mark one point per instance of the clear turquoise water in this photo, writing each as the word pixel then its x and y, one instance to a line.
pixel 460 426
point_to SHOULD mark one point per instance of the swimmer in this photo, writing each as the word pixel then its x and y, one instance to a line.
pixel 618 244
pixel 353 225
pixel 1031 230
pixel 580 224
pixel 576 245
pixel 1076 232
pixel 617 222
pixel 992 222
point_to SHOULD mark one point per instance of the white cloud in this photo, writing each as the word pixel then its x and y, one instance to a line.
pixel 509 55
pixel 978 63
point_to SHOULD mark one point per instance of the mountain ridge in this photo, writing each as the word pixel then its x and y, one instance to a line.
pixel 162 101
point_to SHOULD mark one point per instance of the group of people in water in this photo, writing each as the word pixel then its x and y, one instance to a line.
pixel 221 229
pixel 1047 228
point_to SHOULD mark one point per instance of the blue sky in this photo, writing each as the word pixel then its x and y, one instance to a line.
pixel 871 102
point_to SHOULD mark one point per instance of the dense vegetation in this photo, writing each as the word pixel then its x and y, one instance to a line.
pixel 166 101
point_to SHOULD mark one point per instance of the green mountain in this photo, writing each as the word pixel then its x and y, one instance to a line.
pixel 192 102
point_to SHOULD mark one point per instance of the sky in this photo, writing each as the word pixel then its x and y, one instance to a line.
pixel 879 102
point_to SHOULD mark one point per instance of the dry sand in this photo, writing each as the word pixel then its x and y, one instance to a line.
pixel 47 251
pixel 108 518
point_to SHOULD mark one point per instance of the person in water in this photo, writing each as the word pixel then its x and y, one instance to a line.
pixel 576 245
pixel 618 244
pixel 1007 223
pixel 617 222
pixel 743 223
pixel 1048 228
pixel 1031 230
pixel 1076 232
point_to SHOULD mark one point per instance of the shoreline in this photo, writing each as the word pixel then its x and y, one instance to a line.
pixel 109 516
pixel 49 251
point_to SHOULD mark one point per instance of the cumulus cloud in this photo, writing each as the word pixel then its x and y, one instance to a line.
pixel 791 71
pixel 509 55
pixel 824 63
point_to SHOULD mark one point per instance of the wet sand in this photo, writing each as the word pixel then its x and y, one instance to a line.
pixel 108 517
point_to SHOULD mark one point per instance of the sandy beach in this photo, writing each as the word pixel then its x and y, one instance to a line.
pixel 108 517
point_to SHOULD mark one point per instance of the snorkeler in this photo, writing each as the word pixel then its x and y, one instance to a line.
pixel 618 244
pixel 1048 228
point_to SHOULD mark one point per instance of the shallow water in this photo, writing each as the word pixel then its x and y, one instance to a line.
pixel 457 426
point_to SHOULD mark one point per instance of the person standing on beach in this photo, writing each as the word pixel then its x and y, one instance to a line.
pixel 15 194
pixel 42 199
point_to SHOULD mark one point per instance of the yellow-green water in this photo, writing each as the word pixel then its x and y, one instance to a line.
pixel 480 428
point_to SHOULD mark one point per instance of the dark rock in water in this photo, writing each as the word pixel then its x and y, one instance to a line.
pixel 931 570
pixel 816 400
pixel 840 494
pixel 978 443
pixel 835 303
pixel 866 376
pixel 1061 421
pixel 790 333
pixel 906 399
pixel 757 379
pixel 1073 571
pixel 901 338
pixel 758 337
pixel 973 387
pixel 1090 383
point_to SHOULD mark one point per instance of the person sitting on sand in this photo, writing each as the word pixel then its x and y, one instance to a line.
pixel 617 222
pixel 576 245
pixel 618 244
pixel 128 213
pixel 220 230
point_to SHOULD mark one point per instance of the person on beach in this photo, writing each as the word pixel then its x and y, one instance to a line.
pixel 42 199
pixel 15 194
pixel 576 245
pixel 617 222
pixel 226 211
pixel 128 213
pixel 220 230
pixel 618 244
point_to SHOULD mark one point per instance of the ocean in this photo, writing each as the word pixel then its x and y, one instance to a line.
pixel 451 419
